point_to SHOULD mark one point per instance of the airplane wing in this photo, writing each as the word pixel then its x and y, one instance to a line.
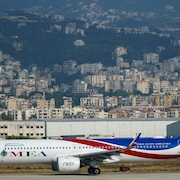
pixel 110 151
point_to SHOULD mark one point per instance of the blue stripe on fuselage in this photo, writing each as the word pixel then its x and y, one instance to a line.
pixel 145 143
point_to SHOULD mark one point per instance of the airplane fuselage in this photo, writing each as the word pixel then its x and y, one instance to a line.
pixel 72 154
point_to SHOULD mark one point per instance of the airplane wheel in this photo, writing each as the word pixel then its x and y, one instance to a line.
pixel 91 170
pixel 96 171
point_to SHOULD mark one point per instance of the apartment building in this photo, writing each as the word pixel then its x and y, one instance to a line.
pixel 111 102
pixel 43 113
pixel 19 91
pixel 69 67
pixel 79 42
pixel 140 101
pixel 128 85
pixel 167 66
pixel 156 87
pixel 42 84
pixel 49 113
pixel 164 85
pixel 151 58
pixel 164 100
pixel 11 103
pixel 57 113
pixel 144 87
pixel 80 86
pixel 70 28
pixel 67 102
pixel 119 51
pixel 29 113
pixel 91 68
pixel 57 68
pixel 151 113
pixel 98 80
pixel 42 103
pixel 113 85
pixel 18 115
pixel 94 101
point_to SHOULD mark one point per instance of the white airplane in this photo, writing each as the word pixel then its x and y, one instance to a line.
pixel 69 155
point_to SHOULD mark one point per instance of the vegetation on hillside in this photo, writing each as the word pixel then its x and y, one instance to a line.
pixel 45 46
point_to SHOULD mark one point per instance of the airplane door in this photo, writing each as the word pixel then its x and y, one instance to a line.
pixel 178 146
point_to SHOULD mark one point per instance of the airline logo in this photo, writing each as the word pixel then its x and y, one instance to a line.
pixel 22 154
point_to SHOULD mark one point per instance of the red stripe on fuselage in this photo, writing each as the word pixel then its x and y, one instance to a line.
pixel 94 144
pixel 150 155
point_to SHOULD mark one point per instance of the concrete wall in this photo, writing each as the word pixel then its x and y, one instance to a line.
pixel 119 128
pixel 87 127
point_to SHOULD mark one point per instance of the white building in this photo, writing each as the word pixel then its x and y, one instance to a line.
pixel 49 113
pixel 107 127
pixel 29 113
pixel 69 67
pixel 18 115
pixel 85 128
pixel 143 87
pixel 151 58
pixel 113 85
pixel 67 102
pixel 120 51
pixel 80 86
pixel 94 101
pixel 91 68
pixel 33 129
pixel 1 56
pixel 79 42
pixel 111 101
pixel 98 80
pixel 156 85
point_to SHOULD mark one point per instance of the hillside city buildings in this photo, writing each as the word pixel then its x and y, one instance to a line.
pixel 157 84
pixel 151 86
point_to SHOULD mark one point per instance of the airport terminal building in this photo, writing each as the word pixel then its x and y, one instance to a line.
pixel 152 127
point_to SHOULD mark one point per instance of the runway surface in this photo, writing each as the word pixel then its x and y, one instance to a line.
pixel 103 176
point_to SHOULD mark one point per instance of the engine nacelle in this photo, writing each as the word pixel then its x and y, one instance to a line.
pixel 66 164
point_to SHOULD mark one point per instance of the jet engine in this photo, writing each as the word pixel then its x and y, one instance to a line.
pixel 66 164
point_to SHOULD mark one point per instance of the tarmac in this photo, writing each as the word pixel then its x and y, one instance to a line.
pixel 103 176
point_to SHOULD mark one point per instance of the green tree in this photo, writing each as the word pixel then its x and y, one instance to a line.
pixel 5 117
pixel 121 93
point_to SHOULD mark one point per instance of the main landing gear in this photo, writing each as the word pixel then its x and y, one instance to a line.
pixel 94 171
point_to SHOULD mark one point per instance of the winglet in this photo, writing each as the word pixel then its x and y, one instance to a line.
pixel 133 142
